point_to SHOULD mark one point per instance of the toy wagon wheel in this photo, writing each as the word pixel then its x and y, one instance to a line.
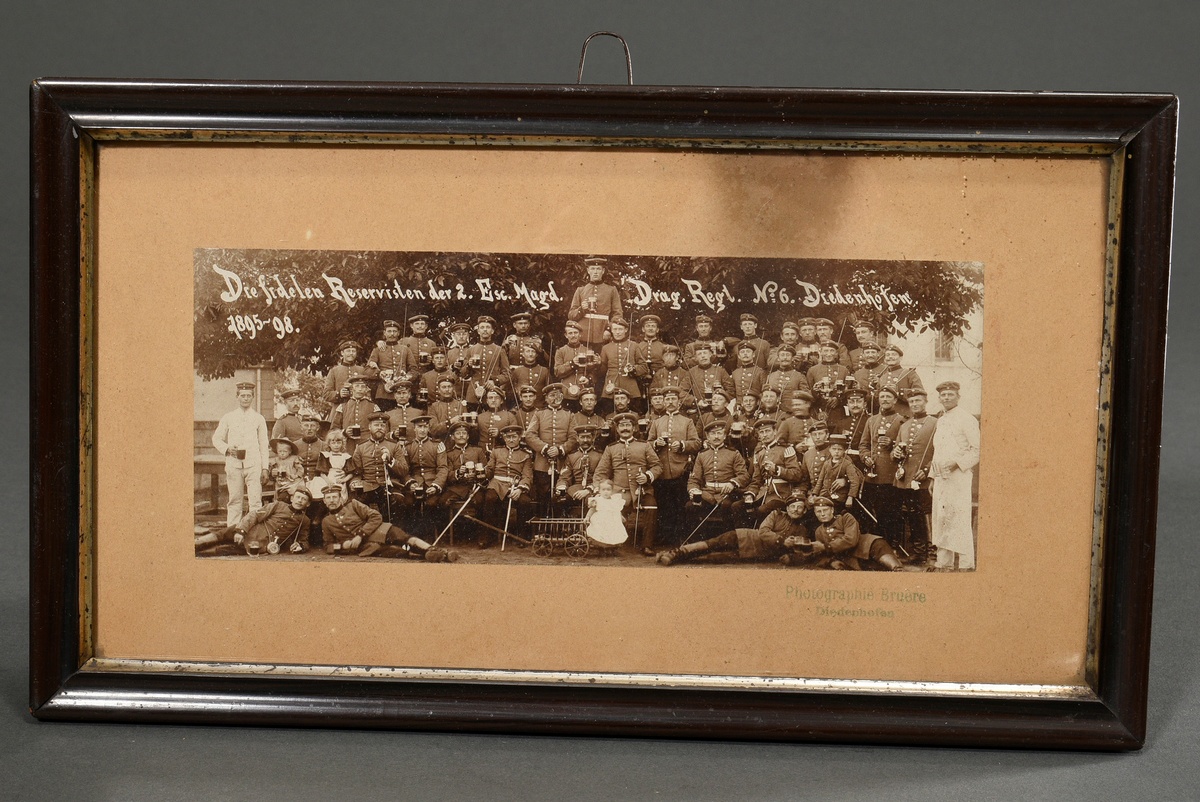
pixel 577 545
pixel 542 546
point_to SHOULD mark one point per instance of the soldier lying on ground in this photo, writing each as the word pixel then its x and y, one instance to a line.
pixel 780 536
pixel 352 527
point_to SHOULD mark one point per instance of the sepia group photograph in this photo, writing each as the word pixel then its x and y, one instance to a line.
pixel 587 409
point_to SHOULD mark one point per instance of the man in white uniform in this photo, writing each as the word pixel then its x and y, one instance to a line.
pixel 955 455
pixel 242 437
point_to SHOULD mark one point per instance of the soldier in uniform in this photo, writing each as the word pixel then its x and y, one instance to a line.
pixel 851 420
pixel 427 471
pixel 865 333
pixel 493 419
pixel 419 344
pixel 901 379
pixel 456 358
pixel 352 415
pixel 704 336
pixel 718 411
pixel 914 456
pixel 439 370
pixel 768 407
pixel 618 362
pixel 548 436
pixel 676 440
pixel 838 479
pixel 288 424
pixel 870 368
pixel 400 417
pixel 444 410
pixel 486 364
pixel 747 377
pixel 522 335
pixel 762 349
pixel 279 526
pixel 595 304
pixel 528 373
pixel 841 545
pixel 781 536
pixel 875 449
pixel 465 466
pixel 337 388
pixel 648 353
pixel 718 476
pixel 825 335
pixel 632 466
pixel 241 436
pixel 309 445
pixel 587 416
pixel 794 430
pixel 830 371
pixel 777 477
pixel 527 399
pixel 707 377
pixel 390 363
pixel 621 405
pixel 673 375
pixel 817 454
pixel 789 336
pixel 785 380
pixel 808 350
pixel 510 483
pixel 579 467
pixel 380 464
pixel 351 527
pixel 575 366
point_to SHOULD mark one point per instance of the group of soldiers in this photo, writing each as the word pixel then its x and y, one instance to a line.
pixel 800 450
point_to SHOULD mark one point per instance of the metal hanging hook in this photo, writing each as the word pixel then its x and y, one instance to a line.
pixel 619 38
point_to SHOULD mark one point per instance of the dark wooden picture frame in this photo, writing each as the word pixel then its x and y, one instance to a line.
pixel 70 117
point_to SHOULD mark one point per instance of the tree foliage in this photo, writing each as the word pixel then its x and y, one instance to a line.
pixel 273 294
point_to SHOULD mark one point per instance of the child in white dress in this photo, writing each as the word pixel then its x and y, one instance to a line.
pixel 604 521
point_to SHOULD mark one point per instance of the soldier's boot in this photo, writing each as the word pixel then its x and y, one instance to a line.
pixel 892 563
pixel 432 554
pixel 207 540
pixel 687 551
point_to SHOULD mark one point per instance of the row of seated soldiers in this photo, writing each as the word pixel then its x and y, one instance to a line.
pixel 735 366
pixel 505 466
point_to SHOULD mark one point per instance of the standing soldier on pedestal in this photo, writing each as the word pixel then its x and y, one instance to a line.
pixel 594 304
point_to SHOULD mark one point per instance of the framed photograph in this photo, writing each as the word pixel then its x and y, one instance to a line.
pixel 779 414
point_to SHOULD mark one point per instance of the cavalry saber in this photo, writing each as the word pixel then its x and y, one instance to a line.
pixel 703 521
pixel 507 515
pixel 456 515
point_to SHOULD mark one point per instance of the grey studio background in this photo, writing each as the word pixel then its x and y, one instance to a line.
pixel 921 45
